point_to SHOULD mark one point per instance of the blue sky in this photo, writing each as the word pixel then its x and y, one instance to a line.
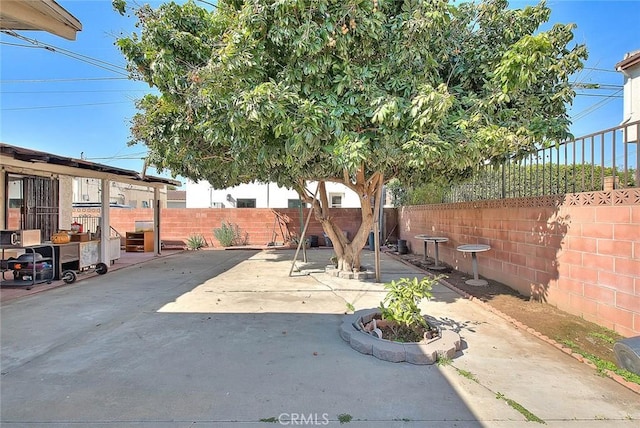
pixel 52 102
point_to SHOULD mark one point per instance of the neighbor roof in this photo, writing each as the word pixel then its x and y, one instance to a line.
pixel 630 59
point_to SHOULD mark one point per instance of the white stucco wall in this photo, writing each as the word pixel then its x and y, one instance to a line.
pixel 631 94
pixel 202 195
pixel 631 106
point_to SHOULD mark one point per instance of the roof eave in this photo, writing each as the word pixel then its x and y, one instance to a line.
pixel 42 15
pixel 60 164
pixel 631 60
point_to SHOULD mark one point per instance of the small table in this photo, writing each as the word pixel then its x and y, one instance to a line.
pixel 473 249
pixel 436 240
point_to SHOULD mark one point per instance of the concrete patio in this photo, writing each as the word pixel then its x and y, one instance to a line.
pixel 228 339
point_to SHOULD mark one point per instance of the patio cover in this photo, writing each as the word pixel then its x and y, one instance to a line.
pixel 20 160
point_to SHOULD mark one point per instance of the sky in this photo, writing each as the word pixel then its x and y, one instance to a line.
pixel 76 100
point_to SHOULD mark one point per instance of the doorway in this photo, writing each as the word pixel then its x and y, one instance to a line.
pixel 32 203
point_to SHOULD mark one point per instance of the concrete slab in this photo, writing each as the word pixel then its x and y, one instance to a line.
pixel 151 346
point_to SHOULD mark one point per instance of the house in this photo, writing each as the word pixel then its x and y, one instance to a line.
pixel 630 68
pixel 176 199
pixel 86 192
pixel 262 195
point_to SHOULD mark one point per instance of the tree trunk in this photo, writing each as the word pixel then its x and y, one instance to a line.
pixel 348 252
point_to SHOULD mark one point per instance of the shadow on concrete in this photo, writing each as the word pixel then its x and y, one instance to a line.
pixel 102 352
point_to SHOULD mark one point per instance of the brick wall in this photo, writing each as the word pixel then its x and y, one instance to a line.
pixel 260 224
pixel 580 253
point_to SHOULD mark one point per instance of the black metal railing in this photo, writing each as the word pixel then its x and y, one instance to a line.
pixel 92 224
pixel 89 224
pixel 603 160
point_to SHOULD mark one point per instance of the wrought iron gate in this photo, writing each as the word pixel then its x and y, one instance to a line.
pixel 41 205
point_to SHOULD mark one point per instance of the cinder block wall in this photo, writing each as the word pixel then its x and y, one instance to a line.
pixel 260 224
pixel 580 252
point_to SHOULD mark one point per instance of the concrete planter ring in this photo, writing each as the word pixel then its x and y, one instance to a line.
pixel 423 352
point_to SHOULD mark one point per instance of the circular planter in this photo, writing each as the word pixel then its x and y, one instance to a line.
pixel 423 352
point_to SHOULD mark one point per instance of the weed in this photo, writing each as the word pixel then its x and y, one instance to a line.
pixel 443 360
pixel 350 307
pixel 229 234
pixel 271 419
pixel 344 418
pixel 467 374
pixel 196 241
pixel 603 365
pixel 603 337
pixel 516 406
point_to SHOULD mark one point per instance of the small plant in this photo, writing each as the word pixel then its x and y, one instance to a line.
pixel 229 234
pixel 603 337
pixel 270 420
pixel 196 241
pixel 520 408
pixel 344 418
pixel 467 374
pixel 603 366
pixel 443 360
pixel 401 302
pixel 334 260
pixel 350 307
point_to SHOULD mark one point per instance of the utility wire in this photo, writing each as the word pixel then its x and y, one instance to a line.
pixel 114 68
pixel 595 106
pixel 601 69
pixel 75 92
pixel 73 79
pixel 63 106
pixel 579 94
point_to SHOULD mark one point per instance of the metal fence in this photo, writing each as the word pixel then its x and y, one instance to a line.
pixel 603 160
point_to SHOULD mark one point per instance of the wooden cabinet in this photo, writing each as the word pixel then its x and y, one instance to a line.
pixel 138 242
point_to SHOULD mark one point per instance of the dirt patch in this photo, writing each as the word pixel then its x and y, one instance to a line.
pixel 543 317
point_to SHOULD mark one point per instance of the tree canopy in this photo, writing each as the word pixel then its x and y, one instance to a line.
pixel 357 92
pixel 281 90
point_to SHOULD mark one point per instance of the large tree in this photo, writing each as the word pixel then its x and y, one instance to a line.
pixel 356 92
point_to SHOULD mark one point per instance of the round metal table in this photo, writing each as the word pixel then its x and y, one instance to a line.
pixel 436 240
pixel 473 249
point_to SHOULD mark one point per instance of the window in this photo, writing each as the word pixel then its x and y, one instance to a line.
pixel 246 203
pixel 294 203
pixel 336 200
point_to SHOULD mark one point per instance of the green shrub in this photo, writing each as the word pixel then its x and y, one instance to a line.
pixel 196 241
pixel 229 234
pixel 401 301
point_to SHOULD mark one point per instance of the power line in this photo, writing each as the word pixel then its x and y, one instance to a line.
pixel 18 45
pixel 74 92
pixel 595 86
pixel 63 106
pixel 600 69
pixel 114 68
pixel 140 155
pixel 598 95
pixel 596 106
pixel 72 79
